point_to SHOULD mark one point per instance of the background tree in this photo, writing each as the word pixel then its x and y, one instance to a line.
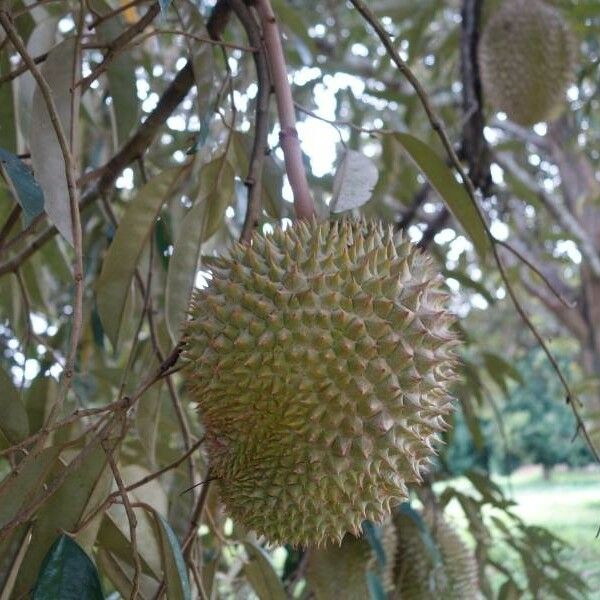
pixel 137 140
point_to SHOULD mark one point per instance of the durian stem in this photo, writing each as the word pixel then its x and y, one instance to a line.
pixel 304 205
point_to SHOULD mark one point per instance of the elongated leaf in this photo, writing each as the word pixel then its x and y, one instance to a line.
pixel 16 491
pixel 272 175
pixel 14 424
pixel 202 221
pixel 67 573
pixel 120 575
pixel 120 74
pixel 8 132
pixel 375 586
pixel 451 191
pixel 354 182
pixel 41 40
pixel 261 575
pixel 176 577
pixel 119 264
pixel 29 193
pixel 46 155
pixel 62 511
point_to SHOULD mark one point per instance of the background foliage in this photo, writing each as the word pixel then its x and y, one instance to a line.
pixel 97 439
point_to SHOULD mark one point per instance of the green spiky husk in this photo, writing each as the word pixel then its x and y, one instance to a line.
pixel 340 570
pixel 527 56
pixel 446 570
pixel 320 358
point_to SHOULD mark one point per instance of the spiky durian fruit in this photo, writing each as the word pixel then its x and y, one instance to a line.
pixel 433 561
pixel 340 570
pixel 320 358
pixel 527 58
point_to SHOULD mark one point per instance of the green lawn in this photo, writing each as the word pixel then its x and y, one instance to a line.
pixel 568 504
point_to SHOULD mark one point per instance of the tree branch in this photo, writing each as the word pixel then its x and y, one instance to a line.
pixel 288 136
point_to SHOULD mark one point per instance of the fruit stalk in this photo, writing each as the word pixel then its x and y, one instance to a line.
pixel 288 137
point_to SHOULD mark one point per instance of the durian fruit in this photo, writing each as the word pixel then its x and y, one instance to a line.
pixel 434 563
pixel 340 570
pixel 527 57
pixel 320 359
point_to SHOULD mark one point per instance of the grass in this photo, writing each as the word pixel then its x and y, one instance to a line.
pixel 568 504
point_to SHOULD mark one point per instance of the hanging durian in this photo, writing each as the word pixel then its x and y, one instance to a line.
pixel 526 57
pixel 341 570
pixel 320 358
pixel 432 562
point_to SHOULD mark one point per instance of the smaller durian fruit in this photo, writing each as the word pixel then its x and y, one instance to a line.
pixel 320 358
pixel 527 57
pixel 433 561
pixel 341 570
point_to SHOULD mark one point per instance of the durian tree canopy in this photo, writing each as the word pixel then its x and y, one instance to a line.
pixel 320 358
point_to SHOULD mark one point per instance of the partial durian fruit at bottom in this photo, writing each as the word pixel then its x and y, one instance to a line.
pixel 341 570
pixel 320 358
pixel 442 567
pixel 527 56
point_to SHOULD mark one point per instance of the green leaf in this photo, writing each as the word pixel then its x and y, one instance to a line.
pixel 18 490
pixel 29 194
pixel 355 178
pixel 202 221
pixel 451 191
pixel 14 423
pixel 261 575
pixel 46 156
pixel 61 512
pixel 124 253
pixel 8 132
pixel 176 577
pixel 500 369
pixel 272 183
pixel 120 74
pixel 67 573
pixel 375 586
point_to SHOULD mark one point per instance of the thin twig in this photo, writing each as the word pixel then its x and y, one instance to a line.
pixel 261 122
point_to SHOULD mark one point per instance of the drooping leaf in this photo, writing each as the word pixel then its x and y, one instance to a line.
pixel 46 154
pixel 61 512
pixel 373 536
pixel 8 130
pixel 261 575
pixel 375 586
pixel 17 490
pixel 120 74
pixel 354 181
pixel 201 222
pixel 500 370
pixel 67 573
pixel 29 193
pixel 14 424
pixel 450 190
pixel 176 577
pixel 112 287
pixel 41 40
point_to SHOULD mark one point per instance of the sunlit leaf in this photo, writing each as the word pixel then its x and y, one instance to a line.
pixel 450 190
pixel 67 573
pixel 112 287
pixel 354 181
